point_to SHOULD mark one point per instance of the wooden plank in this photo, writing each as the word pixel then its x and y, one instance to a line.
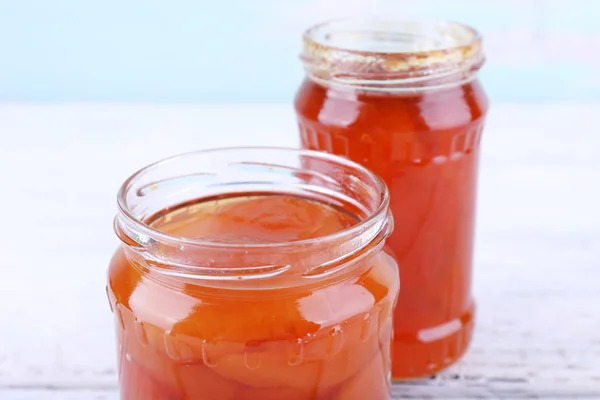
pixel 537 253
pixel 54 394
pixel 399 392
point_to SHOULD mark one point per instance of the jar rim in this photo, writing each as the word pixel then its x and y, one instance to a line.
pixel 456 34
pixel 387 55
pixel 144 228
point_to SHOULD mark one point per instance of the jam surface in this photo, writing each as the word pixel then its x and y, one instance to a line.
pixel 425 146
pixel 180 340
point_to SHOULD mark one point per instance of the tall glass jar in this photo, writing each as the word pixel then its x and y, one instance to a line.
pixel 402 98
pixel 253 273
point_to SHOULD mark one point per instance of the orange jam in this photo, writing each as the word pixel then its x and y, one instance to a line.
pixel 402 99
pixel 278 294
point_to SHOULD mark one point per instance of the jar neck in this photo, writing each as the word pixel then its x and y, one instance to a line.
pixel 205 174
pixel 392 56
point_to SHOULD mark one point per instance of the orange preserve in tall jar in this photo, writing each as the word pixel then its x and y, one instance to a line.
pixel 402 98
pixel 253 274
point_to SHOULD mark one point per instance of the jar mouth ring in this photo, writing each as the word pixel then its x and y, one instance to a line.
pixel 144 229
pixel 400 37
pixel 395 56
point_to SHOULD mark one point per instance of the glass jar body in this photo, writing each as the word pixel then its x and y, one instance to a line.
pixel 253 273
pixel 178 340
pixel 425 145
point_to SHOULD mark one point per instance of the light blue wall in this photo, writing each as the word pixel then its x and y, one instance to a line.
pixel 246 50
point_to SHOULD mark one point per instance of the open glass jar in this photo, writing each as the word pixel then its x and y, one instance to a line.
pixel 402 98
pixel 253 273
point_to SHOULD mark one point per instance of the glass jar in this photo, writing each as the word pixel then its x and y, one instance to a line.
pixel 253 273
pixel 402 98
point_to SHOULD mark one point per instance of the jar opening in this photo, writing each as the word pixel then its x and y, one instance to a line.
pixel 180 180
pixel 391 55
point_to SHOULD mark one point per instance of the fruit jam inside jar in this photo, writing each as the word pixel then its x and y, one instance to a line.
pixel 402 98
pixel 253 273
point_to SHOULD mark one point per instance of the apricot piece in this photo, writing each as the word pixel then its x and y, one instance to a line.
pixel 267 219
pixel 321 358
pixel 383 279
pixel 167 362
pixel 136 384
pixel 198 381
pixel 277 393
pixel 370 383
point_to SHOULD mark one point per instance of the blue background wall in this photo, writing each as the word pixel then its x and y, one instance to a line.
pixel 242 51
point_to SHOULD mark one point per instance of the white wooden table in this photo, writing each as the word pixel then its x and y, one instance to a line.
pixel 537 277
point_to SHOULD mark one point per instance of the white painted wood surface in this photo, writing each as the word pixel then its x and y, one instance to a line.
pixel 537 277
